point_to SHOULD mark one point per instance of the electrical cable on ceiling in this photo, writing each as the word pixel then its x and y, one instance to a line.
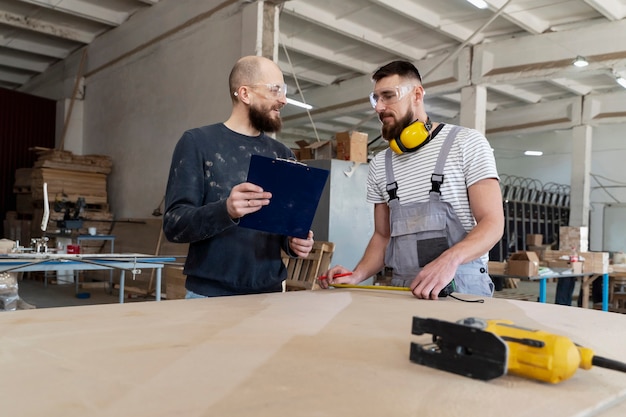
pixel 295 78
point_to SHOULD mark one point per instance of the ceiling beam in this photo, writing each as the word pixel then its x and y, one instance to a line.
pixel 557 114
pixel 572 86
pixel 426 17
pixel 23 63
pixel 516 93
pixel 552 54
pixel 13 77
pixel 605 108
pixel 317 51
pixel 441 111
pixel 456 98
pixel 89 11
pixel 516 14
pixel 44 28
pixel 611 9
pixel 304 74
pixel 34 47
pixel 351 30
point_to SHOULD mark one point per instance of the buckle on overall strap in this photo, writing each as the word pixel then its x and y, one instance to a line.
pixel 436 180
pixel 392 189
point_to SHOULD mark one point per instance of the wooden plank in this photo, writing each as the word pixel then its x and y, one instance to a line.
pixel 69 185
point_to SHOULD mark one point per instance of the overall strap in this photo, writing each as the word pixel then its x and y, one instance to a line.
pixel 436 179
pixel 392 184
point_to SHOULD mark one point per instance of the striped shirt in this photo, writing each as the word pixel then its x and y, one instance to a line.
pixel 470 160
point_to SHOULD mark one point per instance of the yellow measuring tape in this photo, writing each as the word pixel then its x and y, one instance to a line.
pixel 371 287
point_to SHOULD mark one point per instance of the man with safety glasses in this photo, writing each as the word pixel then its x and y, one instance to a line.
pixel 436 195
pixel 207 192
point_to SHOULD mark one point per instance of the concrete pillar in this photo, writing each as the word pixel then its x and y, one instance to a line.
pixel 260 29
pixel 580 183
pixel 474 107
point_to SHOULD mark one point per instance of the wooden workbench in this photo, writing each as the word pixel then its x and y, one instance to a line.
pixel 339 352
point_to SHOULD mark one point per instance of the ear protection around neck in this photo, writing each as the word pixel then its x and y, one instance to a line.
pixel 413 137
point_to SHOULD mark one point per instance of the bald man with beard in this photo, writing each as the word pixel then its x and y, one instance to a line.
pixel 207 192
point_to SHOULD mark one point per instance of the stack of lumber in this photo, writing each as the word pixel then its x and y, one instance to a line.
pixel 71 176
pixel 68 178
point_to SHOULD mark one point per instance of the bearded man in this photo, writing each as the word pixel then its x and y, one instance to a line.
pixel 207 192
pixel 437 201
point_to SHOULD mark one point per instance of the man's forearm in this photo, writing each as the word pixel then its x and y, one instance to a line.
pixel 373 259
pixel 478 241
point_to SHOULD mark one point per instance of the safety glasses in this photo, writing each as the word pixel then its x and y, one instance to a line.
pixel 274 90
pixel 390 95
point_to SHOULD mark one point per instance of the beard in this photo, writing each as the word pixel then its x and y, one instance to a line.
pixel 393 130
pixel 261 119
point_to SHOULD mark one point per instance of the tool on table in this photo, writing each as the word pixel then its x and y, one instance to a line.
pixel 448 289
pixel 371 287
pixel 486 349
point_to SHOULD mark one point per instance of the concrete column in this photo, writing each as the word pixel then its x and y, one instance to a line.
pixel 474 107
pixel 580 183
pixel 260 29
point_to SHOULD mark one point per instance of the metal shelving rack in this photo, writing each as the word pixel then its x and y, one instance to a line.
pixel 530 208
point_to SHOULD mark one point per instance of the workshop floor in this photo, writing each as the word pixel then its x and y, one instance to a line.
pixel 36 294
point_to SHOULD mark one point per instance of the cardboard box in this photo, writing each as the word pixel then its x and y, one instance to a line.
pixel 322 149
pixel 595 262
pixel 352 146
pixel 534 240
pixel 497 268
pixel 558 264
pixel 556 255
pixel 304 152
pixel 574 237
pixel 524 264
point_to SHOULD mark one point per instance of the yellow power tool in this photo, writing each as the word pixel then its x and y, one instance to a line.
pixel 486 349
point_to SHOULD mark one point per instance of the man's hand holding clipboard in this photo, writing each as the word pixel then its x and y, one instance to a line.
pixel 282 196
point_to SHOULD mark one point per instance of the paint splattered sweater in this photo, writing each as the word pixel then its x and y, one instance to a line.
pixel 223 258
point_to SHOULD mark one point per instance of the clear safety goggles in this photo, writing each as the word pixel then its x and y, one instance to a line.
pixel 390 95
pixel 274 90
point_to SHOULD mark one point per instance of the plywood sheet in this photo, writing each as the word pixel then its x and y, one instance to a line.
pixel 307 353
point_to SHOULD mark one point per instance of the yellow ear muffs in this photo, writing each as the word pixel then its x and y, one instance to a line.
pixel 413 137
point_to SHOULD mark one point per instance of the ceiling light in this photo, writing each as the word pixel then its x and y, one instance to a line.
pixel 299 104
pixel 478 3
pixel 533 153
pixel 621 80
pixel 580 62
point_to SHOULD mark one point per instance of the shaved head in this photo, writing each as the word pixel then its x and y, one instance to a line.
pixel 247 71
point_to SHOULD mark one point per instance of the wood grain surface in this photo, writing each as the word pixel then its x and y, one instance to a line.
pixel 338 352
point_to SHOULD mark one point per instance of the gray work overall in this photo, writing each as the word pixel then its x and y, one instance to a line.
pixel 420 232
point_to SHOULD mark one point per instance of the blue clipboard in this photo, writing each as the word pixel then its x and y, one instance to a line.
pixel 296 190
